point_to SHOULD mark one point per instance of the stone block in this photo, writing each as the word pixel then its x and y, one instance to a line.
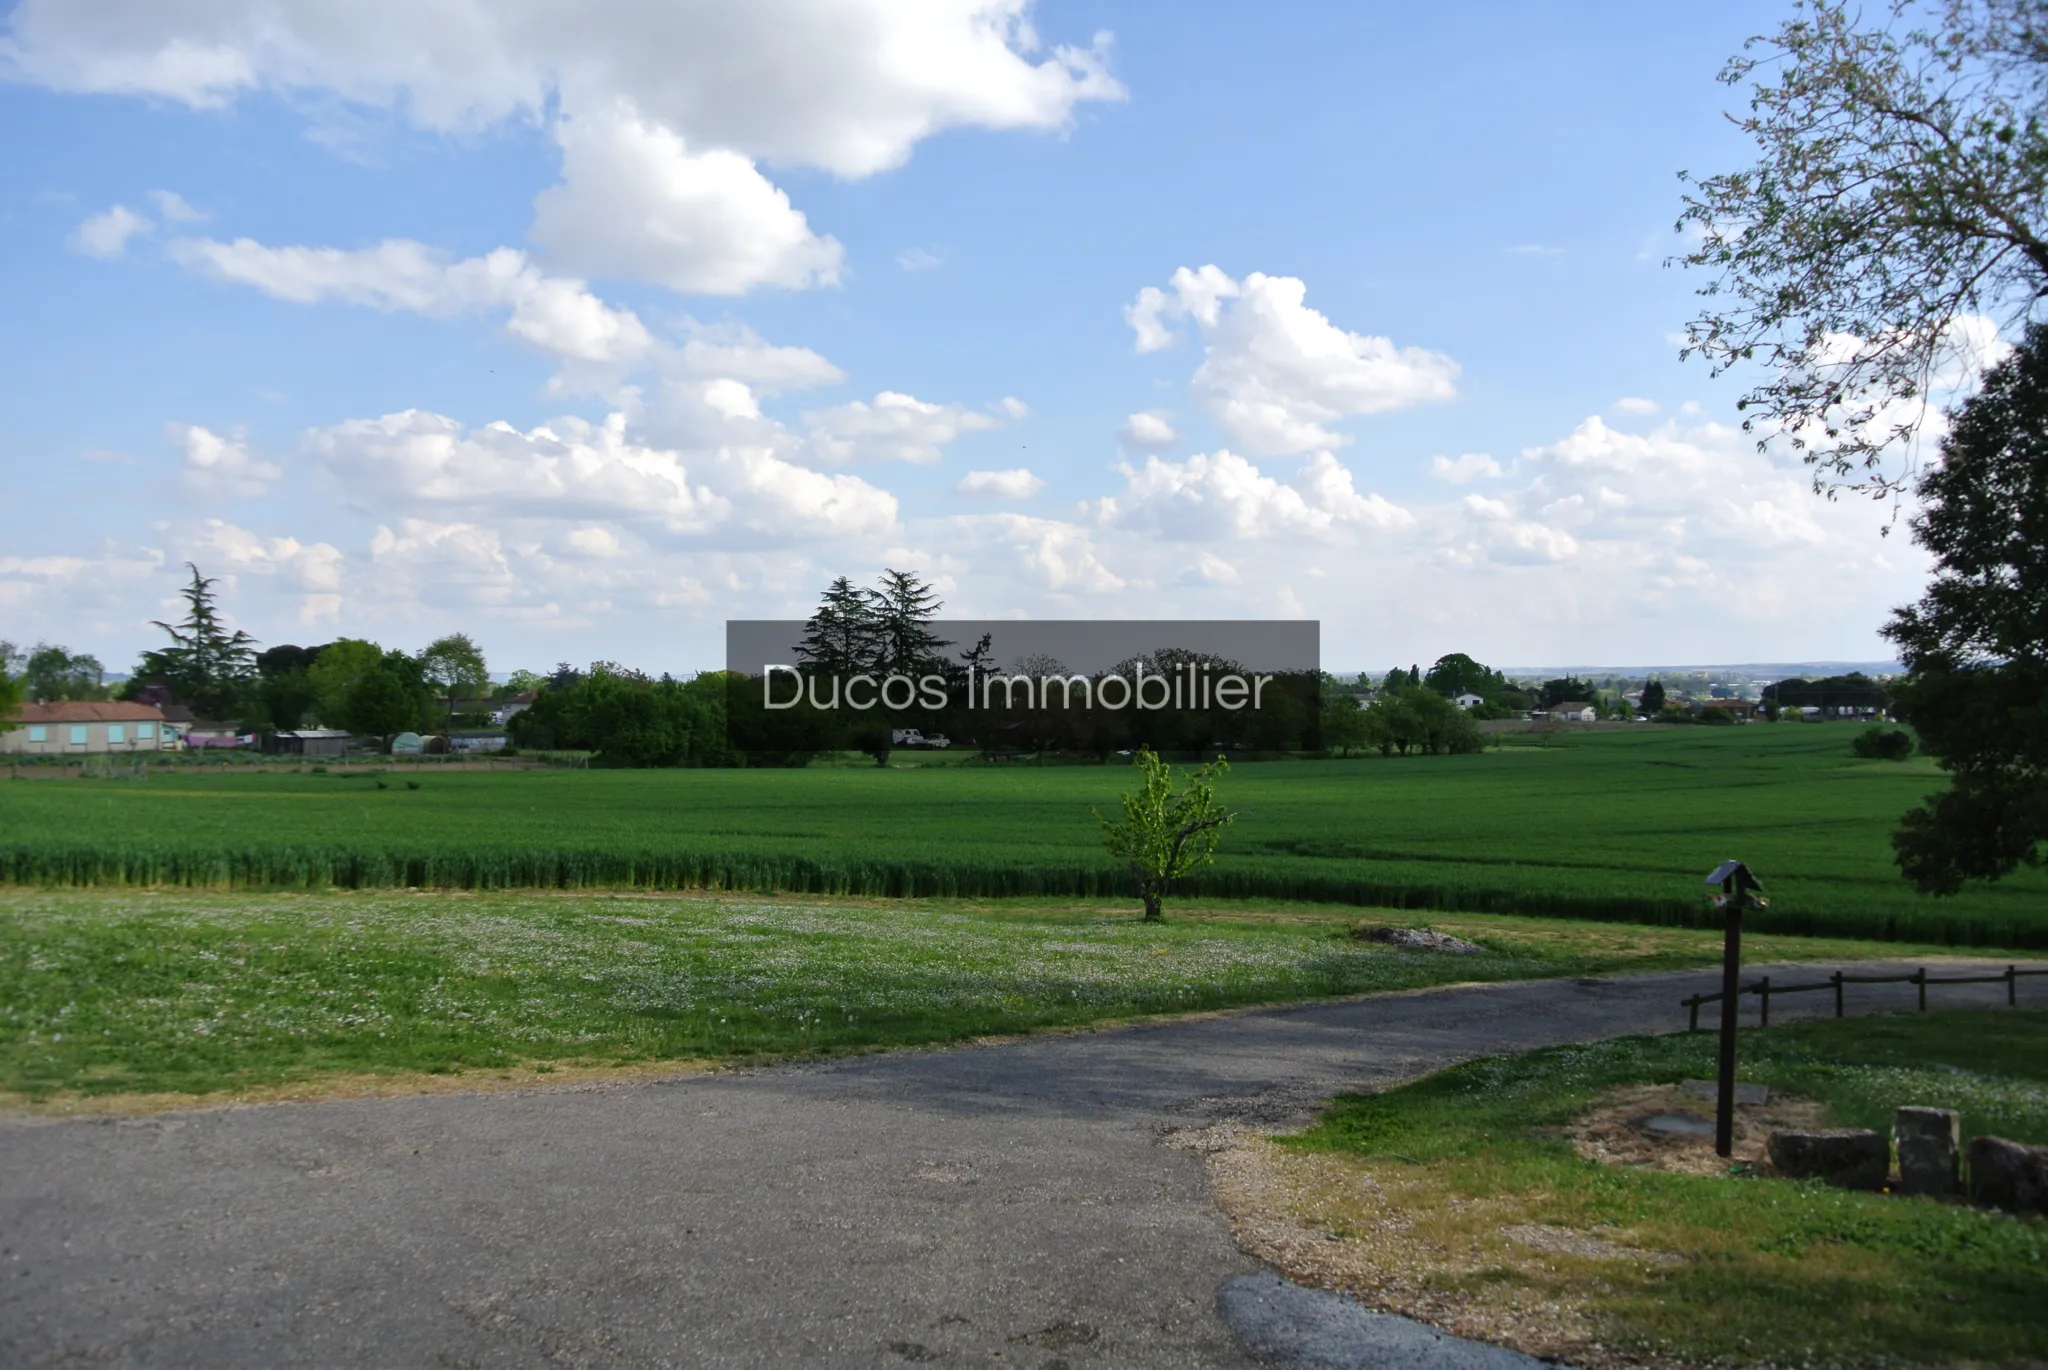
pixel 2010 1175
pixel 1848 1158
pixel 1930 1142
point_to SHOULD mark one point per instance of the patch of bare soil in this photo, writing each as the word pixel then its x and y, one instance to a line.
pixel 570 1075
pixel 1336 1223
pixel 1394 1237
pixel 1615 1132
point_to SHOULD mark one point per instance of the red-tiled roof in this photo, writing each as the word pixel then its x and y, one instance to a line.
pixel 89 711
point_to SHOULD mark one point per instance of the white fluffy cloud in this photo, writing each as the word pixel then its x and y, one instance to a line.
pixel 1018 483
pixel 664 110
pixel 215 465
pixel 1223 497
pixel 1465 468
pixel 847 85
pixel 636 202
pixel 1274 372
pixel 1148 431
pixel 896 427
pixel 576 470
pixel 555 314
pixel 106 234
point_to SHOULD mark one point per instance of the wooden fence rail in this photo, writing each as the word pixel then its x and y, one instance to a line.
pixel 1764 989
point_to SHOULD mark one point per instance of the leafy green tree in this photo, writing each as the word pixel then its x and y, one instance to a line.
pixel 1567 689
pixel 1976 643
pixel 53 673
pixel 283 695
pixel 13 687
pixel 206 665
pixel 1458 674
pixel 630 720
pixel 1653 698
pixel 522 682
pixel 454 667
pixel 1902 184
pixel 334 675
pixel 379 704
pixel 1165 833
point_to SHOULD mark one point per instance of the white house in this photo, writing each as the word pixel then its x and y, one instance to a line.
pixel 87 727
pixel 1467 700
pixel 1571 711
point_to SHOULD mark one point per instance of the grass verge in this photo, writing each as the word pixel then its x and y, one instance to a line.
pixel 1458 1198
pixel 133 993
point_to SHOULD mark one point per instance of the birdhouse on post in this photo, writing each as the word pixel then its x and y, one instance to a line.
pixel 1739 891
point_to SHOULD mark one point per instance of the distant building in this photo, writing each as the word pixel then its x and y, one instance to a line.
pixel 1468 700
pixel 519 703
pixel 307 742
pixel 87 728
pixel 1571 711
pixel 1741 710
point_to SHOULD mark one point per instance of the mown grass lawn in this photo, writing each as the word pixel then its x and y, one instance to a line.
pixel 1705 1270
pixel 120 991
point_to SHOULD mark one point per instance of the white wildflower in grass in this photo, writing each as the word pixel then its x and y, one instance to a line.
pixel 200 989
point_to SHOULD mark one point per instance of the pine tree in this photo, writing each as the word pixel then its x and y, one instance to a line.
pixel 842 637
pixel 205 665
pixel 905 607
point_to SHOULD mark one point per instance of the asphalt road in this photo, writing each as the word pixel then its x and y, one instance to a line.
pixel 1009 1204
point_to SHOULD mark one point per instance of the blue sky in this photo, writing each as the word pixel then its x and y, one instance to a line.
pixel 762 294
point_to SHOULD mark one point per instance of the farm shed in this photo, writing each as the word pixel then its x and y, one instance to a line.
pixel 307 742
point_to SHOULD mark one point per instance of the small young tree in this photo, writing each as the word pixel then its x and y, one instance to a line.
pixel 1164 834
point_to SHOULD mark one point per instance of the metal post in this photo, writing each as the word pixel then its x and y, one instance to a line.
pixel 2012 986
pixel 1694 1004
pixel 1764 997
pixel 1837 977
pixel 1731 998
pixel 1920 979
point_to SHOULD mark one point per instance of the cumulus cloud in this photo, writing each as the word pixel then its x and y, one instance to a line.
pixel 1635 404
pixel 1462 470
pixel 1049 555
pixel 1148 431
pixel 896 427
pixel 1275 372
pixel 847 85
pixel 554 314
pixel 573 469
pixel 1018 483
pixel 664 112
pixel 1223 497
pixel 106 234
pixel 918 259
pixel 215 465
pixel 636 202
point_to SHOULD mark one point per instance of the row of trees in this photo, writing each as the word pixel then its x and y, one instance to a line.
pixel 630 719
pixel 47 672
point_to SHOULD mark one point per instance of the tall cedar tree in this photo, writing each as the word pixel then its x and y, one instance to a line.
pixel 842 637
pixel 206 666
pixel 1976 643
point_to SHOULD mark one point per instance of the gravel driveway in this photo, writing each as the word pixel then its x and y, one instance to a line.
pixel 1009 1204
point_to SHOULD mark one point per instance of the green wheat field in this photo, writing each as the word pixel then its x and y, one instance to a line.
pixel 1611 826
